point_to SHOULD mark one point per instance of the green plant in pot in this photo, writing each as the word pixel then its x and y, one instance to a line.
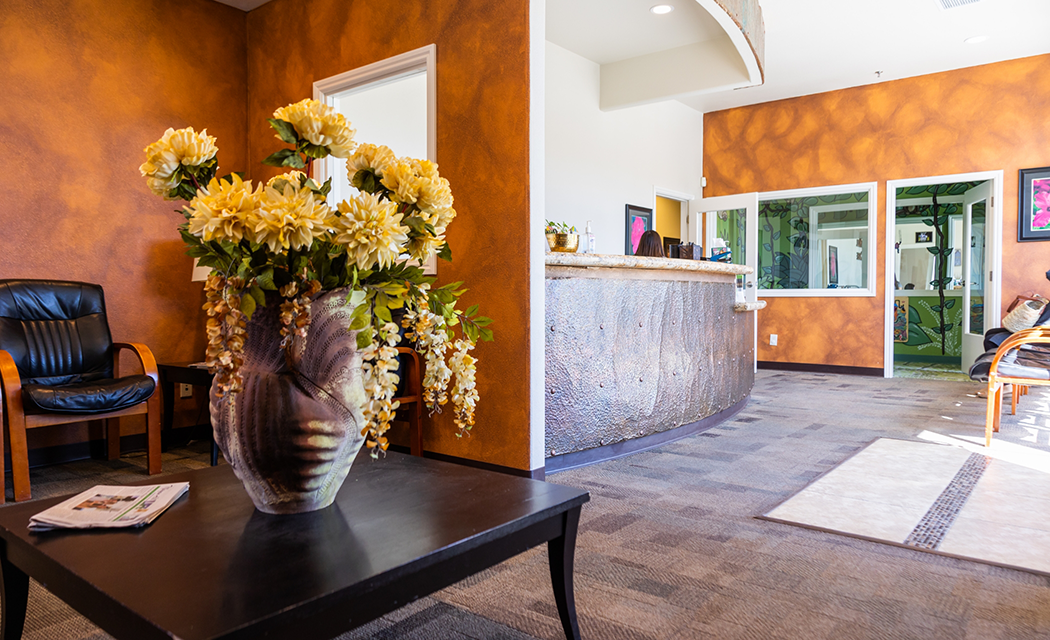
pixel 302 299
pixel 562 237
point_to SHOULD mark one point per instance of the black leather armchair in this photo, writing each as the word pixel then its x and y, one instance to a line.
pixel 59 364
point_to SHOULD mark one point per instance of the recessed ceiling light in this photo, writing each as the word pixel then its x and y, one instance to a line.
pixel 975 39
pixel 661 9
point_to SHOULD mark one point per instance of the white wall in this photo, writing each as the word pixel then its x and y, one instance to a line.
pixel 598 162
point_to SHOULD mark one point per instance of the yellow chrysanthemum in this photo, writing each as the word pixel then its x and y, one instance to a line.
pixel 221 210
pixel 424 246
pixel 371 230
pixel 163 157
pixel 403 180
pixel 321 125
pixel 369 156
pixel 435 195
pixel 292 177
pixel 289 219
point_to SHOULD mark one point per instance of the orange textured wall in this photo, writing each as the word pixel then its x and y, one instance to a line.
pixel 87 84
pixel 483 129
pixel 983 118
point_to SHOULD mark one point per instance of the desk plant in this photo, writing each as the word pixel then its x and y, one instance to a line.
pixel 284 260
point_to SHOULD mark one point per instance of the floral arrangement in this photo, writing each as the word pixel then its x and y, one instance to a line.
pixel 282 243
pixel 559 227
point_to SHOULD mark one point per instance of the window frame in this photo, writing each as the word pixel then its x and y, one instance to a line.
pixel 872 188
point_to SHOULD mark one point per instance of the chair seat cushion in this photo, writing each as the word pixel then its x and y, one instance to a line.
pixel 97 396
pixel 1031 365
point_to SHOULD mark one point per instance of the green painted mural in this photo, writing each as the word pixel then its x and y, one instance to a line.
pixel 925 339
pixel 784 236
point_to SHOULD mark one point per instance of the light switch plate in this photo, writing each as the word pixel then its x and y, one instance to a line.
pixel 185 390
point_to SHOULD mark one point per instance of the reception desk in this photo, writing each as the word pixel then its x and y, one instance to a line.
pixel 641 351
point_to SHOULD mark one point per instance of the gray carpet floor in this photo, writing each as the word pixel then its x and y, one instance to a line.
pixel 670 548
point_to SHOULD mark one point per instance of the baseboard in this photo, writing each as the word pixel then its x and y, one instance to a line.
pixel 63 453
pixel 821 368
pixel 535 474
pixel 586 457
pixel 913 357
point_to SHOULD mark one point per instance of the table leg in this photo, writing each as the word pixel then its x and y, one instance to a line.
pixel 14 596
pixel 560 552
pixel 168 392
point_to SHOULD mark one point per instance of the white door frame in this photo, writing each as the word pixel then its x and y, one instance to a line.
pixel 994 238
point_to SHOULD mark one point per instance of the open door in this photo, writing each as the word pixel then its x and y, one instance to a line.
pixel 978 310
pixel 734 219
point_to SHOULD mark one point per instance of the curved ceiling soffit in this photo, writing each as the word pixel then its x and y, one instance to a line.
pixel 704 67
pixel 742 22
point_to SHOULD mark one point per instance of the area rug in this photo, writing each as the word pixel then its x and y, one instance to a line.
pixel 952 500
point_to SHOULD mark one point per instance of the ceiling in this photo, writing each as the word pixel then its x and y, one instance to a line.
pixel 621 29
pixel 814 46
pixel 811 46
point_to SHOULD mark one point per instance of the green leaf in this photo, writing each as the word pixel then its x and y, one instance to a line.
pixel 383 313
pixel 928 222
pixel 285 130
pixel 445 253
pixel 315 151
pixel 948 327
pixel 935 308
pixel 482 321
pixel 285 158
pixel 471 310
pixel 265 279
pixel 247 306
pixel 934 250
pixel 256 292
pixel 471 331
pixel 364 338
pixel 416 224
pixel 486 335
pixel 913 316
pixel 916 336
pixel 949 304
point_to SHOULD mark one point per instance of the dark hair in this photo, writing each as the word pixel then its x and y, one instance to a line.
pixel 650 245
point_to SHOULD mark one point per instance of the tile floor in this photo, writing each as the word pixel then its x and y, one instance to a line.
pixel 969 502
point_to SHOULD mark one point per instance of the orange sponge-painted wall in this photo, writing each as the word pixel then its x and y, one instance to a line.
pixel 984 118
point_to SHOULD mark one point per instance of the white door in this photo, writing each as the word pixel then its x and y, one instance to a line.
pixel 734 219
pixel 978 311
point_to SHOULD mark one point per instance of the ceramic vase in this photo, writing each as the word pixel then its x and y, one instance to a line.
pixel 294 429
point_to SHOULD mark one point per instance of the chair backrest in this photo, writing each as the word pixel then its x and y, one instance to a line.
pixel 55 331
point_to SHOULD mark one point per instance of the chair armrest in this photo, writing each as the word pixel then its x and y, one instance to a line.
pixel 1034 335
pixel 12 384
pixel 413 373
pixel 145 356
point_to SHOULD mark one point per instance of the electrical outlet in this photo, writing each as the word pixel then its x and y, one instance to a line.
pixel 772 339
pixel 185 390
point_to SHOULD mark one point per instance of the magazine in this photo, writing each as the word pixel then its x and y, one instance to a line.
pixel 110 506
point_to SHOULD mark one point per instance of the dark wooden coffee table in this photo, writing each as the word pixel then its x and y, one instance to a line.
pixel 214 567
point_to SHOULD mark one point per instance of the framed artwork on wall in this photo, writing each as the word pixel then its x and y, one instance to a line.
pixel 923 236
pixel 1033 216
pixel 639 220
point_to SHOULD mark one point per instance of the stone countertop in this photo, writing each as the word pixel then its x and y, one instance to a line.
pixel 611 261
pixel 749 306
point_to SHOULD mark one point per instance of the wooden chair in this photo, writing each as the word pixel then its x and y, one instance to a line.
pixel 1020 368
pixel 59 365
pixel 412 401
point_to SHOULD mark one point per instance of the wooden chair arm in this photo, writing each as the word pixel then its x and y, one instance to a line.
pixel 1034 335
pixel 145 356
pixel 12 385
pixel 414 373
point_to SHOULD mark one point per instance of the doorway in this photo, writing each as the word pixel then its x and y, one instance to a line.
pixel 943 257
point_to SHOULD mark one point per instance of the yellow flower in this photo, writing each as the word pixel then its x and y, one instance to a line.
pixel 403 180
pixel 424 246
pixel 435 195
pixel 321 125
pixel 371 230
pixel 292 177
pixel 221 210
pixel 182 147
pixel 369 156
pixel 289 219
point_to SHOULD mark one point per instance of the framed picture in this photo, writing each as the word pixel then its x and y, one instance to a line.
pixel 923 236
pixel 1033 216
pixel 639 220
pixel 833 264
